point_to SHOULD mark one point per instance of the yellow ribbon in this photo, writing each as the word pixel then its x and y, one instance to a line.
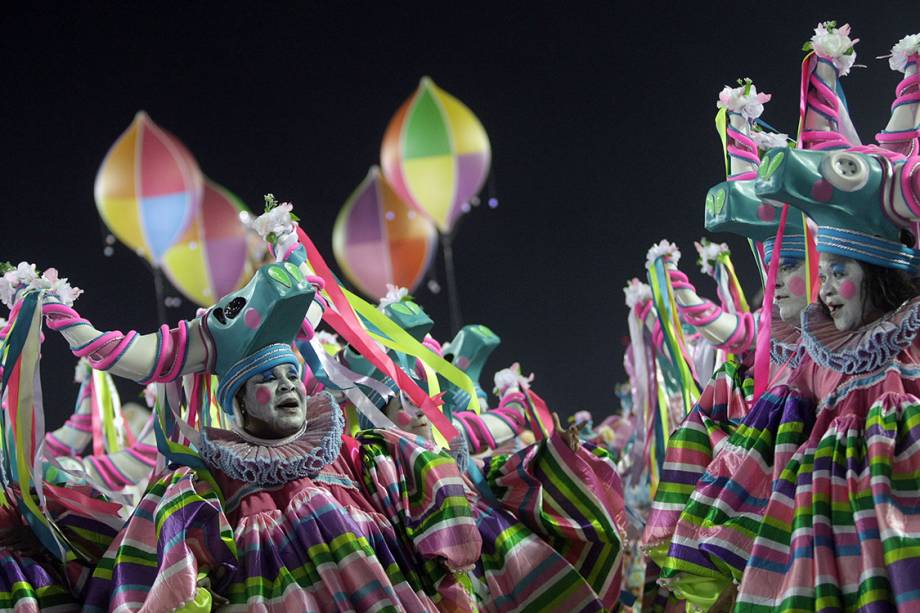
pixel 721 118
pixel 399 340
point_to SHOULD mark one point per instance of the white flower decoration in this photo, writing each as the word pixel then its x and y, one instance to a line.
pixel 15 280
pixel 902 52
pixel 660 250
pixel 709 253
pixel 83 371
pixel 637 292
pixel 394 294
pixel 277 221
pixel 25 273
pixel 834 44
pixel 769 140
pixel 8 287
pixel 750 105
pixel 57 285
pixel 511 380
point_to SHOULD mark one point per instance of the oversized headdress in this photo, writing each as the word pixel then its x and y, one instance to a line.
pixel 469 351
pixel 252 329
pixel 861 197
pixel 732 206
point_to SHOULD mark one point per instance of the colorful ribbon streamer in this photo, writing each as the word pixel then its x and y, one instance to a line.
pixel 344 321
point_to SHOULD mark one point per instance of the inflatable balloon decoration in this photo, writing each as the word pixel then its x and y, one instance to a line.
pixel 436 155
pixel 153 197
pixel 148 189
pixel 379 240
pixel 212 257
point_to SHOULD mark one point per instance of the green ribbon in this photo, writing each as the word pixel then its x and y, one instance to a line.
pixel 398 339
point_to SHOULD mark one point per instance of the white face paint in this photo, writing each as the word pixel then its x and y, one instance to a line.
pixel 409 418
pixel 841 290
pixel 274 403
pixel 790 290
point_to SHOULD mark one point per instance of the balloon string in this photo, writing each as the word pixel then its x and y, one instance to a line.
pixel 453 296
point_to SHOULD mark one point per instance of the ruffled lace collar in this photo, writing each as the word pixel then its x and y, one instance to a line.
pixel 862 350
pixel 276 462
pixel 785 342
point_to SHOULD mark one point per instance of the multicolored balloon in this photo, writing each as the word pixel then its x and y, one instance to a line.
pixel 379 239
pixel 212 257
pixel 435 154
pixel 148 189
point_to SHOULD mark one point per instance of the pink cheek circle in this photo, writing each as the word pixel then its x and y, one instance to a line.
pixel 796 286
pixel 766 212
pixel 263 395
pixel 848 290
pixel 403 419
pixel 252 318
pixel 822 191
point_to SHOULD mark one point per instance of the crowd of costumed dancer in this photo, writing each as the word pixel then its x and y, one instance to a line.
pixel 778 459
pixel 307 451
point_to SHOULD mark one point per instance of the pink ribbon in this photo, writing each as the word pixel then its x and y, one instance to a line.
pixel 762 352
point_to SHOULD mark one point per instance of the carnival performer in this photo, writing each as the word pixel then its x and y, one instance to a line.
pixel 841 524
pixel 709 431
pixel 726 510
pixel 50 536
pixel 278 511
pixel 561 552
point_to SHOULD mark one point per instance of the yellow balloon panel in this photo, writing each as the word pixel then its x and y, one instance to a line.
pixel 117 174
pixel 432 180
pixel 188 272
pixel 121 217
pixel 466 132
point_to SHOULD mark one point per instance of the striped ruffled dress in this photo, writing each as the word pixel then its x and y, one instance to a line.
pixel 31 583
pixel 385 527
pixel 842 523
pixel 574 501
pixel 716 529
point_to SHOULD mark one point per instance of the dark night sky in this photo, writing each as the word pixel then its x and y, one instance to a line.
pixel 600 117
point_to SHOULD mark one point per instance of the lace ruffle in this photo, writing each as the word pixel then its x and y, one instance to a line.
pixel 785 342
pixel 865 349
pixel 277 463
pixel 786 353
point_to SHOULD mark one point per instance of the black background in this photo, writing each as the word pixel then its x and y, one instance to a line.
pixel 600 117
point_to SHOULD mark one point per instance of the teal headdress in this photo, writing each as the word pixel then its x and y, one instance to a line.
pixel 845 192
pixel 252 329
pixel 470 350
pixel 860 196
pixel 734 206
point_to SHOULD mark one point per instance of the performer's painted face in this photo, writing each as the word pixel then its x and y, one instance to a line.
pixel 841 290
pixel 409 418
pixel 274 403
pixel 790 289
